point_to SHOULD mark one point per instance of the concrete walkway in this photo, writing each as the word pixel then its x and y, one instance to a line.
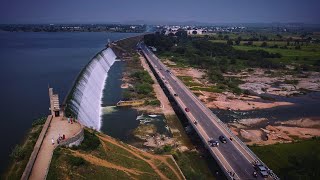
pixel 57 126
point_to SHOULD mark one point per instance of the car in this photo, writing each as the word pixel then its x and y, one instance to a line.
pixel 222 139
pixel 187 109
pixel 264 174
pixel 195 122
pixel 175 94
pixel 213 143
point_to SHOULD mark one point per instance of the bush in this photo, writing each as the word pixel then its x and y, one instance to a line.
pixel 18 153
pixel 142 76
pixel 144 88
pixel 264 44
pixel 90 141
pixel 153 102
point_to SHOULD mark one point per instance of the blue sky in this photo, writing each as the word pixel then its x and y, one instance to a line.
pixel 209 11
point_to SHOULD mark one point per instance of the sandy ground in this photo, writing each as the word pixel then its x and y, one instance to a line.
pixel 279 132
pixel 261 82
pixel 158 141
pixel 57 126
pixel 232 102
pixel 229 100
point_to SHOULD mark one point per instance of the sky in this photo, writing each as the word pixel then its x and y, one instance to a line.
pixel 159 11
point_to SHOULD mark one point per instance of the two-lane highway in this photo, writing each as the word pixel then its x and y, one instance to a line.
pixel 232 157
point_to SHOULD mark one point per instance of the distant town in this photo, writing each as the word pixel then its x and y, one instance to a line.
pixel 167 29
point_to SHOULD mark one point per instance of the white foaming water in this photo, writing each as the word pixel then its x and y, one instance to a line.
pixel 87 96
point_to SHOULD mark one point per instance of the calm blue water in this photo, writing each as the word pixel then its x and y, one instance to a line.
pixel 31 61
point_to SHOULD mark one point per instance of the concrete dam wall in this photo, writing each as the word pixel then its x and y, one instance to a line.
pixel 84 99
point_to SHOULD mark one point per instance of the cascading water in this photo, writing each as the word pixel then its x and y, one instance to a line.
pixel 87 93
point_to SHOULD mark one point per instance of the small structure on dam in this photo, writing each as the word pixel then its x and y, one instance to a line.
pixel 54 104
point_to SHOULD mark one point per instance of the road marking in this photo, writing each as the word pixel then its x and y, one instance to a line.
pixel 246 171
pixel 234 156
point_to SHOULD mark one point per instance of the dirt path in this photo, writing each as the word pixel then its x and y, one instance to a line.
pixel 139 153
pixel 104 163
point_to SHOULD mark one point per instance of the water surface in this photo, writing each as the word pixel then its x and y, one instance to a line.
pixel 29 63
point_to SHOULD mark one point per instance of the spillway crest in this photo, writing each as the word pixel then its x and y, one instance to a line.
pixel 87 92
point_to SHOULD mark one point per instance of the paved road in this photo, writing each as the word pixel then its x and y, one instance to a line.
pixel 232 156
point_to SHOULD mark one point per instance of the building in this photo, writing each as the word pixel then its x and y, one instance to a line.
pixel 54 104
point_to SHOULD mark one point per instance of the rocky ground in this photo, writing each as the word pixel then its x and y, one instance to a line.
pixel 257 82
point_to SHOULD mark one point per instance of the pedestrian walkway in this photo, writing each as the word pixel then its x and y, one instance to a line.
pixel 58 126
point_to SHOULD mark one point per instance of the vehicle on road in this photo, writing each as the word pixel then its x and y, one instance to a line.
pixel 175 94
pixel 195 122
pixel 213 143
pixel 264 174
pixel 187 109
pixel 222 139
pixel 262 169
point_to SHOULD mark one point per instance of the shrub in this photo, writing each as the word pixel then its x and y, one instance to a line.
pixel 144 88
pixel 142 76
pixel 153 102
pixel 18 153
pixel 90 141
pixel 264 44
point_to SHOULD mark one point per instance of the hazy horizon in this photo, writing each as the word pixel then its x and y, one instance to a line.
pixel 159 12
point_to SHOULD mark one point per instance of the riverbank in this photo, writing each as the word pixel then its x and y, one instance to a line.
pixel 159 129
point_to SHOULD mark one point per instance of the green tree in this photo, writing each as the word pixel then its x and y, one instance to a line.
pixel 230 42
pixel 264 44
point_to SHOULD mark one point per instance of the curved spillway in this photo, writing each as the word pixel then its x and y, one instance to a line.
pixel 85 102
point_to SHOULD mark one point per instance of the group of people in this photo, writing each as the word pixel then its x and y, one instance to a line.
pixel 71 120
pixel 59 139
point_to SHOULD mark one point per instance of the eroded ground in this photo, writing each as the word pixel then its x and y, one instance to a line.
pixel 263 89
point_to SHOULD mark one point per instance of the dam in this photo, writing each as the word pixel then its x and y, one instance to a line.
pixel 84 99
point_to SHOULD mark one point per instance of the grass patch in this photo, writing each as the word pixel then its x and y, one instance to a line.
pixel 192 165
pixel 65 165
pixel 90 141
pixel 297 160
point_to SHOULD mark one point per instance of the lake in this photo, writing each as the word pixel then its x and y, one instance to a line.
pixel 29 63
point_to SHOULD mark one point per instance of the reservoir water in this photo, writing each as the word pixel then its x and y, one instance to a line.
pixel 29 63
pixel 304 106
